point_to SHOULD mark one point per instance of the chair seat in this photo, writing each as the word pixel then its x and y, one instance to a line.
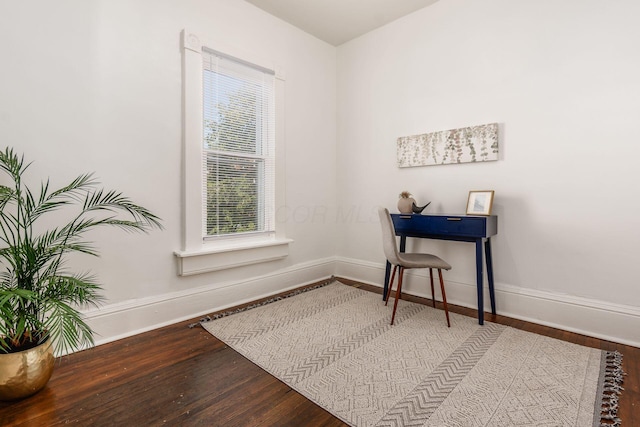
pixel 418 260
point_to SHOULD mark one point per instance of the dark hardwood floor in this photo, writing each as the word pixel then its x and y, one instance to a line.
pixel 176 376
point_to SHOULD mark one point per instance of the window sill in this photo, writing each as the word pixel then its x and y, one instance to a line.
pixel 222 256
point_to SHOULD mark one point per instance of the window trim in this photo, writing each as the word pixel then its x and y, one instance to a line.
pixel 198 255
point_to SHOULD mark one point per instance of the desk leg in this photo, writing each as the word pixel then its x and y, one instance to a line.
pixel 488 259
pixel 479 281
pixel 386 281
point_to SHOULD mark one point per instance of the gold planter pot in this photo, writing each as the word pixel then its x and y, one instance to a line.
pixel 26 372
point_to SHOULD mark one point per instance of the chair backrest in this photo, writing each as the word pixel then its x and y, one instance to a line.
pixel 389 244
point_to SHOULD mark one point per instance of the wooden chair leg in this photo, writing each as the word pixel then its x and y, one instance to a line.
pixel 433 295
pixel 393 275
pixel 444 297
pixel 398 294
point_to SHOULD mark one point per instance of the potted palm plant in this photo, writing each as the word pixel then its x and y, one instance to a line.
pixel 40 299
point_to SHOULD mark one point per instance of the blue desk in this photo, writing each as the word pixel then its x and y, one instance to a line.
pixel 460 228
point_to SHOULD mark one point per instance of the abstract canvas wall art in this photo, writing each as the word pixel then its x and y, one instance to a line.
pixel 463 145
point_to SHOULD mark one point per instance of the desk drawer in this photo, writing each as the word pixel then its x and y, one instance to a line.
pixel 458 226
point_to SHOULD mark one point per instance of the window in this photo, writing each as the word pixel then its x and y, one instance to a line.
pixel 238 147
pixel 233 158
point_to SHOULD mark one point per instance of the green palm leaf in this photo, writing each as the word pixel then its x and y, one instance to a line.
pixel 38 298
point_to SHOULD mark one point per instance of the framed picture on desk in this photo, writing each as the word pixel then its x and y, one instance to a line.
pixel 480 202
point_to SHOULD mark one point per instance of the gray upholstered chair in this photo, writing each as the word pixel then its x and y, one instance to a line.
pixel 402 261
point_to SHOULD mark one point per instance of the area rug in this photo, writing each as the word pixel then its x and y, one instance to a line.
pixel 334 345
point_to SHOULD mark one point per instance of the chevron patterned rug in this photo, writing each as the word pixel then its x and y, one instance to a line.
pixel 334 345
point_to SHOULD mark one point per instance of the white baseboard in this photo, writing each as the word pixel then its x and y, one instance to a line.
pixel 120 320
pixel 607 321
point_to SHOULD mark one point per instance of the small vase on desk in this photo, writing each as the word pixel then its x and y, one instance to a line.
pixel 405 203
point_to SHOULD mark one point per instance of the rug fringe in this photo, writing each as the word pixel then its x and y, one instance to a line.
pixel 205 319
pixel 612 387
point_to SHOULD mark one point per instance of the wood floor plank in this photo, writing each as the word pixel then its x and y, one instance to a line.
pixel 630 399
pixel 177 376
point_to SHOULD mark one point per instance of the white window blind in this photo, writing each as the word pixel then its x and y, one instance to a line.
pixel 238 147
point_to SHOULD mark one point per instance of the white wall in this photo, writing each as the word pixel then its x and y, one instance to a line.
pixel 96 86
pixel 561 79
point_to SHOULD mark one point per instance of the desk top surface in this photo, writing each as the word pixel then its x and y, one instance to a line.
pixel 460 215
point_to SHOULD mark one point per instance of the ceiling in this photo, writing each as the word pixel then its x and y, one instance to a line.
pixel 338 21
